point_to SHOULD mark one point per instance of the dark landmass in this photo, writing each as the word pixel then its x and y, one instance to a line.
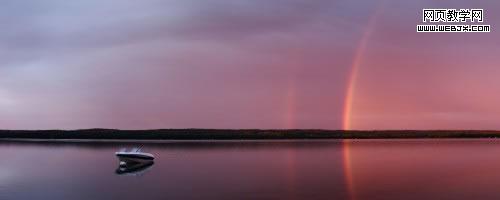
pixel 244 134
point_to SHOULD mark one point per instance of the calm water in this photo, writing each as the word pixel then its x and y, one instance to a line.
pixel 333 169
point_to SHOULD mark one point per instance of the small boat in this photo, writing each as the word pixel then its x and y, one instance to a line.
pixel 133 156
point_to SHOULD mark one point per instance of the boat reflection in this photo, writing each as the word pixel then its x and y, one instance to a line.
pixel 134 169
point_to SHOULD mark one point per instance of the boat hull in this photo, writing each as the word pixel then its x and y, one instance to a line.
pixel 127 158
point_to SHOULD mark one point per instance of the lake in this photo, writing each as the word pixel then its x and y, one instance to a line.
pixel 278 169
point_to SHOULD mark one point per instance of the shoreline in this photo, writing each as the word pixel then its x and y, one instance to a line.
pixel 227 140
pixel 159 135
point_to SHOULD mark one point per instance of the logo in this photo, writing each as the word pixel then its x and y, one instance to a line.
pixel 464 20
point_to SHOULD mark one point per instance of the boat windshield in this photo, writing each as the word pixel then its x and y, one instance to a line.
pixel 135 149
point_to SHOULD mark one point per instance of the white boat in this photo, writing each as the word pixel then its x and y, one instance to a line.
pixel 133 156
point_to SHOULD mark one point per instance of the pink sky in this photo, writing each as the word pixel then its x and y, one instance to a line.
pixel 244 64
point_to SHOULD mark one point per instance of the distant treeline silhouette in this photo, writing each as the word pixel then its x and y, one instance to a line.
pixel 235 134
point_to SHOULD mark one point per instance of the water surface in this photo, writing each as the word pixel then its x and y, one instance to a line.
pixel 299 169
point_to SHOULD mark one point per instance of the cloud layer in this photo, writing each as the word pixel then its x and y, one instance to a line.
pixel 237 64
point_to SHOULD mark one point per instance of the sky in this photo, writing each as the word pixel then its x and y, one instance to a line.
pixel 282 64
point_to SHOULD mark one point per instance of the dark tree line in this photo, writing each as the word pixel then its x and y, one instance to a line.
pixel 227 134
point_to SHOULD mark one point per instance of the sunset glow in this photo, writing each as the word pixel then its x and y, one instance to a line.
pixel 256 99
pixel 259 64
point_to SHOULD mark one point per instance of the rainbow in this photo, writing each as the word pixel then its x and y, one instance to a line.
pixel 351 81
pixel 356 63
pixel 348 101
pixel 290 105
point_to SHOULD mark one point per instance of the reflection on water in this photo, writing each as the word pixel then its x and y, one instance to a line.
pixel 302 169
pixel 134 169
